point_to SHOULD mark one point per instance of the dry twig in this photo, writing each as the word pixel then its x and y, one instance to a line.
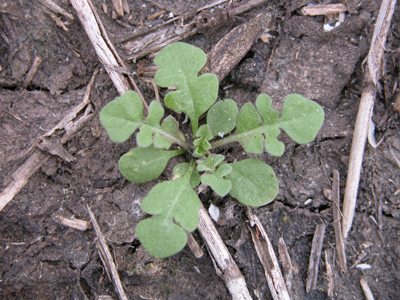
pixel 316 248
pixel 230 272
pixel 267 256
pixel 32 72
pixel 336 221
pixel 107 258
pixel 71 124
pixel 329 272
pixel 367 291
pixel 365 112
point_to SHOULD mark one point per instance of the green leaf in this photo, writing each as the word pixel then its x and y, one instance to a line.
pixel 180 170
pixel 301 119
pixel 216 180
pixel 210 162
pixel 179 65
pixel 172 201
pixel 222 117
pixel 122 116
pixel 253 182
pixel 152 133
pixel 145 164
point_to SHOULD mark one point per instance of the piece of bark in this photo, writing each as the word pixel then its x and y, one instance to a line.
pixel 230 50
pixel 323 10
pixel 230 272
pixel 32 72
pixel 107 258
pixel 364 114
pixel 267 256
pixel 336 221
pixel 316 249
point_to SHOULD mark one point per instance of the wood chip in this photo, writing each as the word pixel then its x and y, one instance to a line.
pixel 323 10
pixel 73 223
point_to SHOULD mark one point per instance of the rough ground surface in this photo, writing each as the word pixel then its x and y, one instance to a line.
pixel 41 259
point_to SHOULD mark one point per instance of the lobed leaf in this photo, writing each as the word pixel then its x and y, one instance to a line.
pixel 253 182
pixel 173 202
pixel 180 64
pixel 122 116
pixel 180 170
pixel 258 128
pixel 221 118
pixel 216 180
pixel 145 164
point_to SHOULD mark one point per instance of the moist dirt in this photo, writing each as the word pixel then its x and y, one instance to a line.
pixel 43 259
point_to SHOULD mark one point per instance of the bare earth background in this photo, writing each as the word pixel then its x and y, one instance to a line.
pixel 42 259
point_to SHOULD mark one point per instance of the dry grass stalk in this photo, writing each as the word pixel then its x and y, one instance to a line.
pixel 230 272
pixel 316 249
pixel 336 221
pixel 365 112
pixel 107 258
pixel 329 272
pixel 286 262
pixel 367 291
pixel 267 256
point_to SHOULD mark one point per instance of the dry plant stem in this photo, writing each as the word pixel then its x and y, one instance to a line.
pixel 367 291
pixel 22 175
pixel 267 256
pixel 107 258
pixel 32 72
pixel 336 221
pixel 37 157
pixel 198 253
pixel 329 272
pixel 73 223
pixel 106 52
pixel 234 280
pixel 316 249
pixel 365 112
pixel 286 263
pixel 359 259
pixel 57 9
pixel 141 44
pixel 319 10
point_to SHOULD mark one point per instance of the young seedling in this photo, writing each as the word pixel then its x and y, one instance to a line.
pixel 175 204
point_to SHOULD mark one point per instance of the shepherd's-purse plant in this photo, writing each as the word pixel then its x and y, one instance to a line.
pixel 175 204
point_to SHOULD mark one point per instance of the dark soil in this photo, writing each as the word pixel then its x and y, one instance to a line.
pixel 42 259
